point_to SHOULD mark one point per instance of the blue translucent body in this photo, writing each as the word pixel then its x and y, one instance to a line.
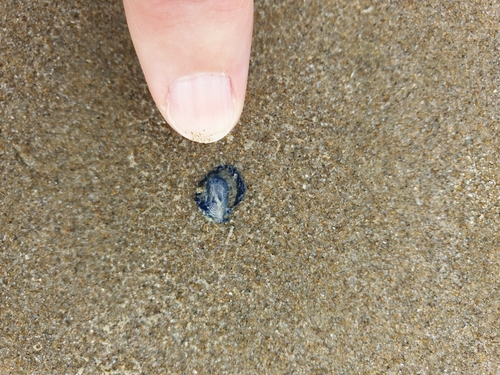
pixel 219 192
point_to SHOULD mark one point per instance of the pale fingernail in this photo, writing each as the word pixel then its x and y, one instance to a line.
pixel 201 107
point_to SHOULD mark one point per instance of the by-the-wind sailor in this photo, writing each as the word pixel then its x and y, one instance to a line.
pixel 219 192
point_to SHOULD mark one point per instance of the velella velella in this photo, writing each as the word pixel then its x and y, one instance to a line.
pixel 219 192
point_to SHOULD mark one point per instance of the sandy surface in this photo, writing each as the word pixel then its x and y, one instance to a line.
pixel 368 241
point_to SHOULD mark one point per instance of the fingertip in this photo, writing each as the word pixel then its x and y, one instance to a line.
pixel 202 107
pixel 197 67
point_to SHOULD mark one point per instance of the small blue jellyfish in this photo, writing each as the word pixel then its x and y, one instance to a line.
pixel 219 192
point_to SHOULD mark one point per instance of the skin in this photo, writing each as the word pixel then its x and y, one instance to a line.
pixel 175 39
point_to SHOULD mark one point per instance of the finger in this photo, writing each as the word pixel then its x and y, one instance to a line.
pixel 195 56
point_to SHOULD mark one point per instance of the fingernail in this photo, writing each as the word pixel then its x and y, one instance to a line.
pixel 201 107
